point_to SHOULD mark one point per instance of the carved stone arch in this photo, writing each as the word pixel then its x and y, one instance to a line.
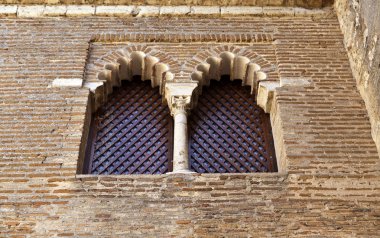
pixel 216 62
pixel 221 123
pixel 125 63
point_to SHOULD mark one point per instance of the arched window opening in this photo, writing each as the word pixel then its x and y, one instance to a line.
pixel 132 133
pixel 228 132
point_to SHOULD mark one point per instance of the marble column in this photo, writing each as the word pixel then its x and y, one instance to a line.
pixel 179 98
pixel 180 153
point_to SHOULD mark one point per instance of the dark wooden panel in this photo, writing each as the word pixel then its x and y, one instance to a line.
pixel 132 133
pixel 229 133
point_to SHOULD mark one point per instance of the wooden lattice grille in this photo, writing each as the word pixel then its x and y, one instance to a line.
pixel 132 133
pixel 229 133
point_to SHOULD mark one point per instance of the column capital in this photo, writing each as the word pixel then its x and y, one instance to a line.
pixel 180 104
pixel 179 96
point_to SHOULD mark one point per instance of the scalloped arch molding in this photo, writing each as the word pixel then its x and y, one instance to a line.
pixel 241 63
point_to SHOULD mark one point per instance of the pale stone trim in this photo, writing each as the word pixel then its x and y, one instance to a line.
pixel 114 11
pixel 175 10
pixel 241 11
pixel 80 10
pixel 8 10
pixel 205 10
pixel 54 11
pixel 139 11
pixel 67 82
pixel 30 11
pixel 278 11
pixel 146 11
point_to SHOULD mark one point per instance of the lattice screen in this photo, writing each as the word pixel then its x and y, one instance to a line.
pixel 229 133
pixel 132 133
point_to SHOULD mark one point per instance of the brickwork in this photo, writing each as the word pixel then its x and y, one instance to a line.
pixel 329 186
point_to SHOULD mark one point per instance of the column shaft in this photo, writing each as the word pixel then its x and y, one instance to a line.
pixel 180 154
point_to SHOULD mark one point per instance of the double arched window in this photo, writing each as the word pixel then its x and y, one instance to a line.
pixel 133 132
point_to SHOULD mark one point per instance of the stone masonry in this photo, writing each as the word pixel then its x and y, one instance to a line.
pixel 261 3
pixel 360 23
pixel 328 184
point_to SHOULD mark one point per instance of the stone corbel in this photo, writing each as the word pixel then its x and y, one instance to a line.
pixel 266 89
pixel 265 93
pixel 179 97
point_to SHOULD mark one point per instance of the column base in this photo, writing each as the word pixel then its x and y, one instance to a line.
pixel 182 171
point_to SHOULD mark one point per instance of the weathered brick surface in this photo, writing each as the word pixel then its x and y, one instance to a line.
pixel 329 187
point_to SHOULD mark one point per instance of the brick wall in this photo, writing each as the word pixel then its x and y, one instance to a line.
pixel 360 24
pixel 329 186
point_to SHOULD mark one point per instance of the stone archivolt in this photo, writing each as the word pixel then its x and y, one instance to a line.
pixel 160 69
pixel 227 63
pixel 124 65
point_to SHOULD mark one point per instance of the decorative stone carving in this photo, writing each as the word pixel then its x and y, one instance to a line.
pixel 136 63
pixel 180 104
pixel 237 66
pixel 176 93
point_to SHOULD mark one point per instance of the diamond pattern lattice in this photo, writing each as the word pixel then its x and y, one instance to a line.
pixel 229 133
pixel 132 132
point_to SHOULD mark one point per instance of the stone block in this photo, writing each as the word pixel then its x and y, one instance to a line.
pixel 299 11
pixel 8 10
pixel 147 11
pixel 205 10
pixel 30 11
pixel 255 11
pixel 114 10
pixel 67 82
pixel 77 10
pixel 278 11
pixel 175 10
pixel 55 11
pixel 265 94
pixel 295 82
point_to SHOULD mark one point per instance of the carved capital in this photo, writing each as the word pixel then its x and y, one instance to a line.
pixel 180 104
pixel 180 96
